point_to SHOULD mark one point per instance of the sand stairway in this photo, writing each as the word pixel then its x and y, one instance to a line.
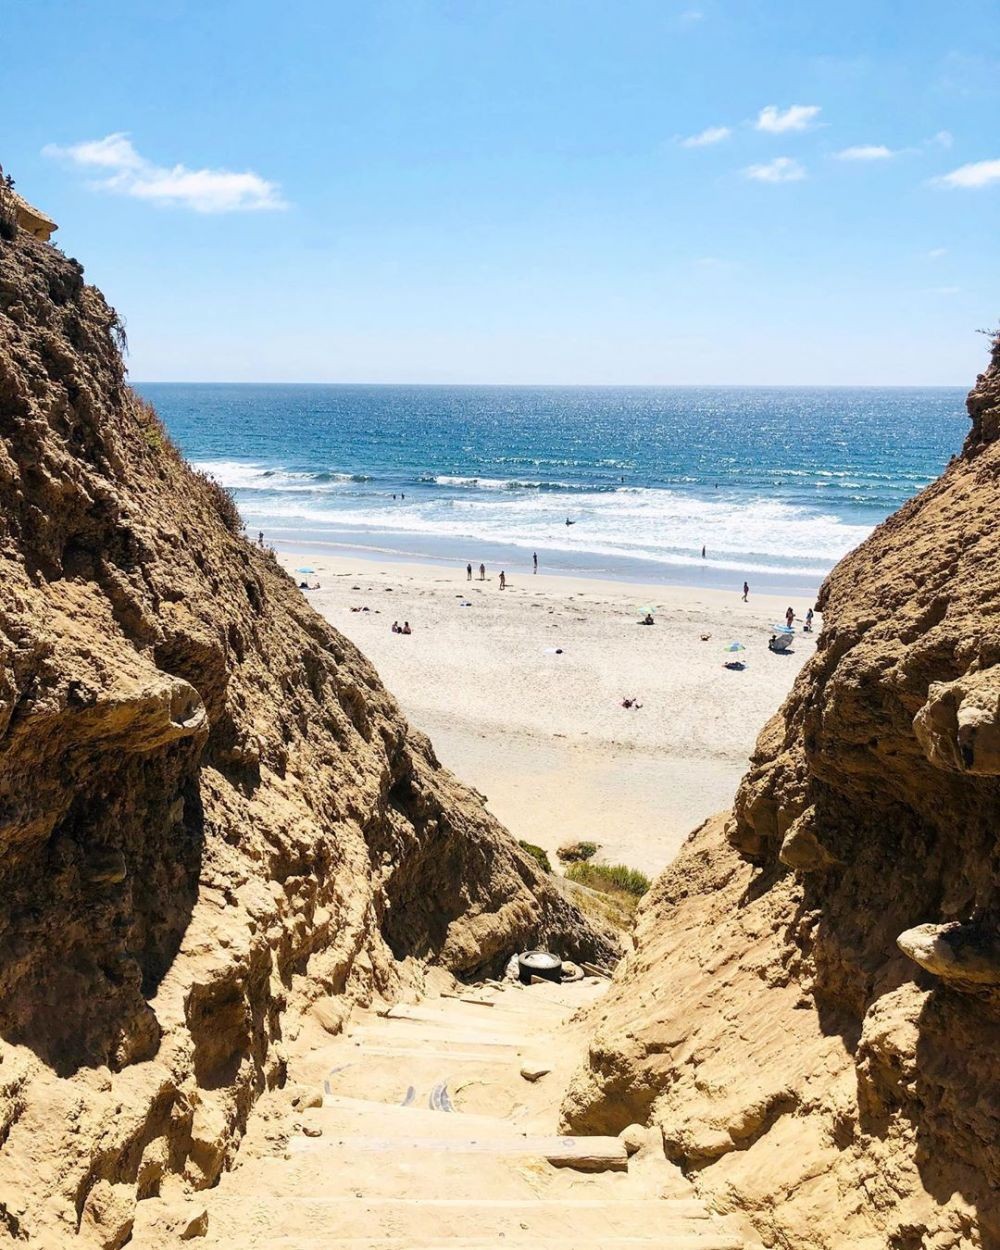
pixel 425 1135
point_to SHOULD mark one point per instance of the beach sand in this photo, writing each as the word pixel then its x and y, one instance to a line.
pixel 544 735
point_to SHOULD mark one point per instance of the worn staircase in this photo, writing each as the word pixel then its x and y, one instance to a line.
pixel 418 1131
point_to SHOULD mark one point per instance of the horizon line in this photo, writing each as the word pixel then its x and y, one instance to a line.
pixel 826 386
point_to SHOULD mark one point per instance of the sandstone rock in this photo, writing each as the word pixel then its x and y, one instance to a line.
pixel 960 954
pixel 634 1137
pixel 781 1027
pixel 108 1214
pixel 211 811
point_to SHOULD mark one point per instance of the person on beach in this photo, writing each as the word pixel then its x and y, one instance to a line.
pixel 468 572
pixel 482 572
pixel 534 560
pixel 703 551
pixel 789 616
pixel 260 538
pixel 406 628
pixel 631 703
pixel 746 591
pixel 503 580
pixel 647 619
pixel 807 628
pixel 395 627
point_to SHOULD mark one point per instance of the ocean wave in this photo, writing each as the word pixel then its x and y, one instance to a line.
pixel 242 475
pixel 513 484
pixel 659 525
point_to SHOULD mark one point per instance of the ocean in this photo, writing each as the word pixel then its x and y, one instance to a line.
pixel 775 483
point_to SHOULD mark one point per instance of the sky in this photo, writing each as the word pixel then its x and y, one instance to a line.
pixel 522 191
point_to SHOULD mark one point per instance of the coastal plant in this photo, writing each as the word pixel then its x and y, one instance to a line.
pixel 223 502
pixel 151 429
pixel 610 878
pixel 572 852
pixel 537 854
pixel 8 209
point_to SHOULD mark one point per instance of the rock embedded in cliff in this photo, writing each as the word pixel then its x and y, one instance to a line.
pixel 961 954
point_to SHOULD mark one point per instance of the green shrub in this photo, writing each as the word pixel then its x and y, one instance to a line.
pixel 610 878
pixel 222 501
pixel 537 854
pixel 574 851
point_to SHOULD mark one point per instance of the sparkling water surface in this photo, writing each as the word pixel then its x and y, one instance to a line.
pixel 776 483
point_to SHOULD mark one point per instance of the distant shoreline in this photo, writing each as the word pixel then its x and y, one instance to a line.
pixel 638 575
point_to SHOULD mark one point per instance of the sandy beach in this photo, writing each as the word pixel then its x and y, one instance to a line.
pixel 543 734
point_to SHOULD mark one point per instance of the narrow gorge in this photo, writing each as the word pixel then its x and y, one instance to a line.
pixel 217 829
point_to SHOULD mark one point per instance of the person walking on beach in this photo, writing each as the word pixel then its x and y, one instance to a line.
pixel 503 580
pixel 703 551
pixel 482 572
pixel 789 616
pixel 468 572
pixel 534 559
pixel 746 591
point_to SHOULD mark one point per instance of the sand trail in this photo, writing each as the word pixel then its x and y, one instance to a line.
pixel 416 1130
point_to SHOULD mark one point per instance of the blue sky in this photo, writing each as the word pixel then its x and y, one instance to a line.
pixel 731 191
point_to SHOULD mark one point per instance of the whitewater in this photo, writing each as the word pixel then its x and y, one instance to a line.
pixel 775 484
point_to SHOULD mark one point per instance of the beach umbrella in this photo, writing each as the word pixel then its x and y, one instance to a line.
pixel 783 629
pixel 735 646
pixel 305 570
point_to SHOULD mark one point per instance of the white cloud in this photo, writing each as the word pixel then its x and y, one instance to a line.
pixel 712 134
pixel 936 253
pixel 866 152
pixel 203 190
pixel 943 138
pixel 945 290
pixel 781 169
pixel 690 17
pixel 796 117
pixel 978 174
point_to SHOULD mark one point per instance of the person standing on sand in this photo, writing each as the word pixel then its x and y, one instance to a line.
pixel 503 580
pixel 703 551
pixel 789 616
pixel 482 572
pixel 468 572
pixel 534 560
pixel 746 591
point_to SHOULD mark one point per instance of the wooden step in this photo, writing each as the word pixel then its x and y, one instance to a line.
pixel 347 1116
pixel 584 1153
pixel 452 1220
pixel 708 1240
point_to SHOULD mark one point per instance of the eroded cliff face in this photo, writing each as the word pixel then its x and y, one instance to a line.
pixel 812 1009
pixel 211 812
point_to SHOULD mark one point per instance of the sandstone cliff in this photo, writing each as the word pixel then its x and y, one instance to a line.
pixel 812 1009
pixel 211 812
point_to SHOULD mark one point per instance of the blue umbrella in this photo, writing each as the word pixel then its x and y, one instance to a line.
pixel 783 629
pixel 735 646
pixel 305 570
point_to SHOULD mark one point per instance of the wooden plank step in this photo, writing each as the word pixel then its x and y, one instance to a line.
pixel 584 1153
pixel 360 1114
pixel 709 1240
pixel 437 1051
pixel 500 1219
pixel 411 1031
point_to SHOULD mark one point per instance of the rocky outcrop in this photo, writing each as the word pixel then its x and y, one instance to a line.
pixel 211 812
pixel 811 1010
